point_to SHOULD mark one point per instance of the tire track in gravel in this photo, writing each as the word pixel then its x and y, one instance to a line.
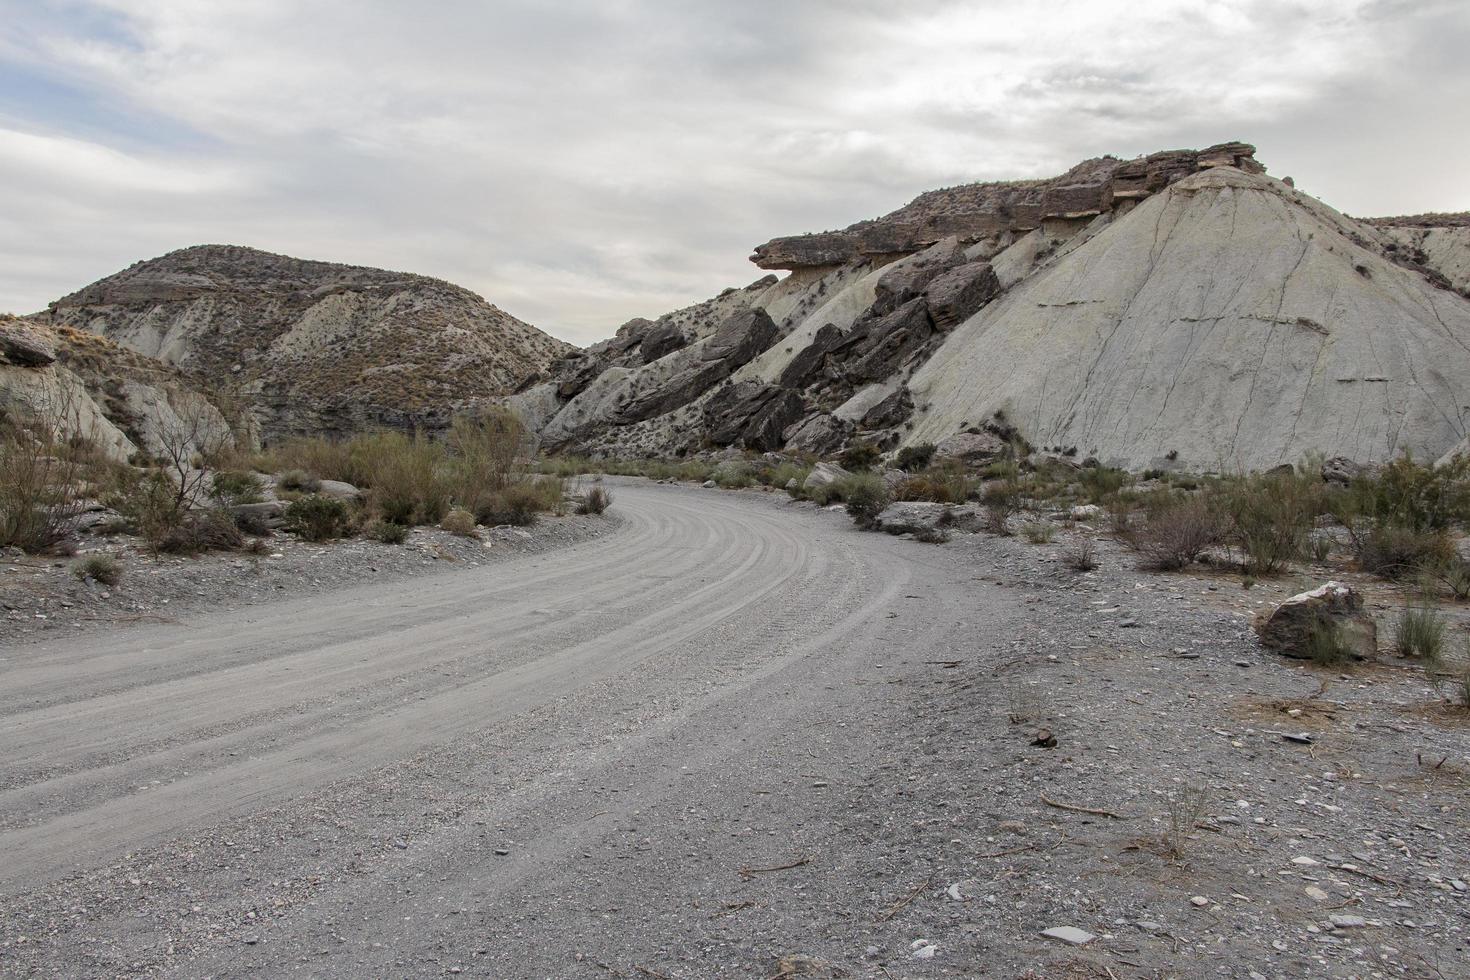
pixel 752 556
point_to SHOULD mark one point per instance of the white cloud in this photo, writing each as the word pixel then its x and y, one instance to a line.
pixel 584 162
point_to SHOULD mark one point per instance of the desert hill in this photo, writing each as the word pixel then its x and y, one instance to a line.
pixel 1182 309
pixel 319 347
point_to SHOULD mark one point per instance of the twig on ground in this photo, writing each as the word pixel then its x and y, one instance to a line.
pixel 895 908
pixel 752 872
pixel 1073 808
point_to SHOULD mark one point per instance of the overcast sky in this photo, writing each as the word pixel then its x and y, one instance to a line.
pixel 580 163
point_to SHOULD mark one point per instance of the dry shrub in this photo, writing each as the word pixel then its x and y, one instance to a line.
pixel 1270 517
pixel 522 503
pixel 103 568
pixel 866 496
pixel 403 476
pixel 1394 552
pixel 43 475
pixel 1175 535
pixel 1080 555
pixel 595 501
pixel 459 522
pixel 197 533
pixel 484 456
pixel 940 486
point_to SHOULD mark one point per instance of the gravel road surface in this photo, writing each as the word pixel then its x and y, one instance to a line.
pixel 583 757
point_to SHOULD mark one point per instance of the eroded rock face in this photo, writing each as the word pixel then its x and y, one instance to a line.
pixel 954 296
pixel 818 435
pixel 752 414
pixel 977 211
pixel 121 402
pixel 1288 629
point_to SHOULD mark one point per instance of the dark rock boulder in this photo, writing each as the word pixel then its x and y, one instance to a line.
pixel 818 435
pixel 661 340
pixel 738 340
pixel 876 348
pixel 956 295
pixel 24 347
pixel 1291 628
pixel 751 413
pixel 908 277
pixel 807 365
pixel 891 411
pixel 972 448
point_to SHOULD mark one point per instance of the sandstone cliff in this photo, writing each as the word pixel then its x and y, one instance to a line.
pixel 1183 309
pixel 320 348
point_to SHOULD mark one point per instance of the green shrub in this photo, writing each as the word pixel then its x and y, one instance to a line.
pixel 912 459
pixel 1101 483
pixel 1406 494
pixel 317 518
pixel 1325 644
pixel 1420 632
pixel 1270 517
pixel 234 487
pixel 459 522
pixel 859 456
pixel 405 476
pixel 734 475
pixel 386 532
pixel 299 481
pixel 1393 552
pixel 866 497
pixel 103 568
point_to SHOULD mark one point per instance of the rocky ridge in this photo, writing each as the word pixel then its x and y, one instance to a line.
pixel 319 347
pixel 1182 310
pixel 122 401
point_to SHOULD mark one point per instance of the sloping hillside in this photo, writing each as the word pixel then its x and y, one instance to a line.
pixel 1181 310
pixel 321 347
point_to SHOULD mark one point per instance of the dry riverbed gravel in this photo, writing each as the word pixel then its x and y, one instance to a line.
pixel 1010 770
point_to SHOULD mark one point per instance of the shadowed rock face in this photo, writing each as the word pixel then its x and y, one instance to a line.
pixel 322 347
pixel 976 211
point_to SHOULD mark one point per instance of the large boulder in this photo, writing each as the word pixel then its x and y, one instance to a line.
pixel 908 277
pixel 738 339
pixel 919 516
pixel 818 435
pixel 956 295
pixel 1342 471
pixel 661 340
pixel 806 366
pixel 1289 627
pixel 824 475
pixel 24 347
pixel 972 448
pixel 753 414
pixel 876 348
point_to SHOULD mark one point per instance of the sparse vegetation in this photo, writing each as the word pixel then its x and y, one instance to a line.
pixel 865 495
pixel 1080 555
pixel 102 568
pixel 596 500
pixel 317 518
pixel 1325 644
pixel 298 480
pixel 1175 535
pixel 1186 809
pixel 42 479
pixel 1038 532
pixel 1420 632
pixel 912 459
pixel 385 532
pixel 459 522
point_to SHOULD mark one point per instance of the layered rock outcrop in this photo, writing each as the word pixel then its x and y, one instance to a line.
pixel 318 347
pixel 975 212
pixel 1181 310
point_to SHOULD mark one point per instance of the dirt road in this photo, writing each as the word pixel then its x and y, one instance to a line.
pixel 513 770
pixel 732 737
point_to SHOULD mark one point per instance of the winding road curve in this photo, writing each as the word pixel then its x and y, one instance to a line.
pixel 427 776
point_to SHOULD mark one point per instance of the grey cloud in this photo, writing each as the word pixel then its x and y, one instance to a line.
pixel 582 163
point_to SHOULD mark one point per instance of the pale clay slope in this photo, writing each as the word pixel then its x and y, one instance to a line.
pixel 1446 250
pixel 1224 319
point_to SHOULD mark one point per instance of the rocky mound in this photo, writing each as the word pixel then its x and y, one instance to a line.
pixel 1178 310
pixel 319 347
pixel 118 399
